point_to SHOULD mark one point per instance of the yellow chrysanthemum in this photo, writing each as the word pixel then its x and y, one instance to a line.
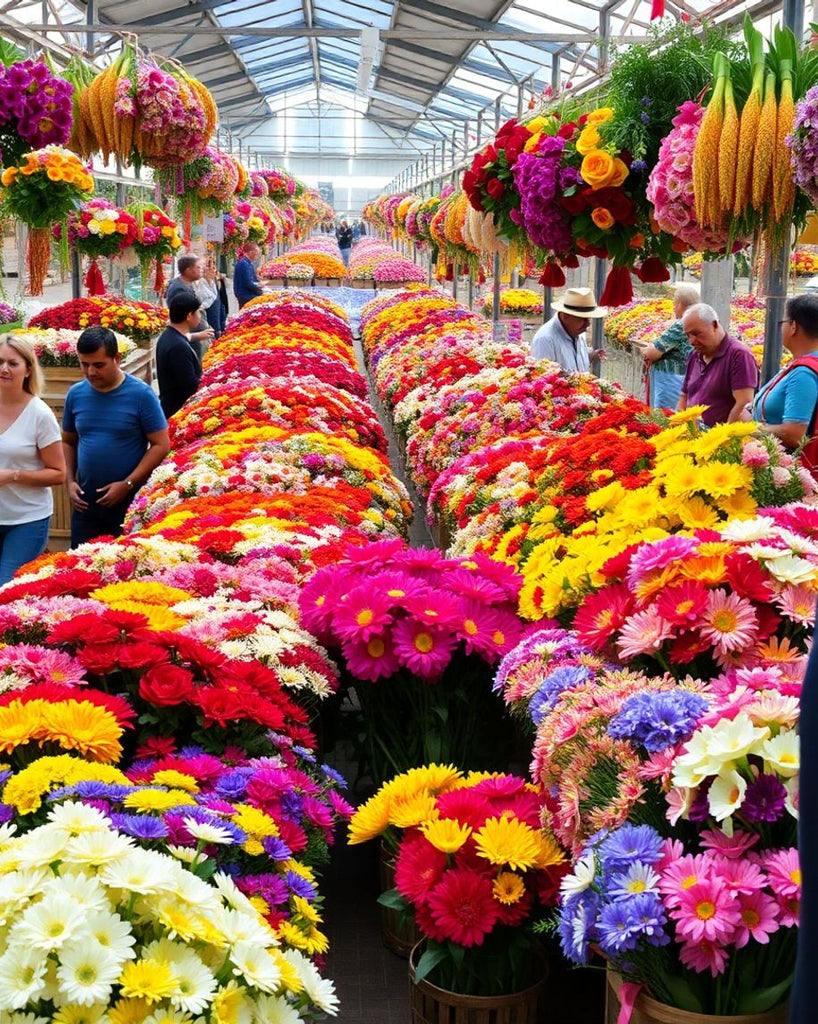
pixel 80 725
pixel 446 834
pixel 146 800
pixel 412 811
pixel 306 911
pixel 697 514
pixel 150 979
pixel 707 570
pixel 605 497
pixel 685 479
pixel 26 789
pixel 129 1011
pixel 692 412
pixel 254 821
pixel 179 780
pixel 707 444
pixel 370 820
pixel 19 724
pixel 738 506
pixel 230 1005
pixel 721 479
pixel 290 979
pixel 178 919
pixel 508 888
pixel 142 591
pixel 507 840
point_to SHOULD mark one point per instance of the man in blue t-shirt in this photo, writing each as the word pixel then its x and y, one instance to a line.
pixel 245 279
pixel 114 435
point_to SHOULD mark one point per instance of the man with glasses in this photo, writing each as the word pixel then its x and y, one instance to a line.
pixel 721 372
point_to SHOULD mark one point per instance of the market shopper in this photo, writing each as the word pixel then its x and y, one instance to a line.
pixel 189 274
pixel 562 338
pixel 344 237
pixel 206 289
pixel 177 368
pixel 31 457
pixel 668 355
pixel 114 435
pixel 721 372
pixel 788 403
pixel 246 284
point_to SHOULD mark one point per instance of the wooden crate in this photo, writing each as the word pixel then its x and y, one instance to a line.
pixel 58 379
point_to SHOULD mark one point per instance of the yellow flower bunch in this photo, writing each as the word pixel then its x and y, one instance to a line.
pixel 405 801
pixel 91 730
pixel 26 789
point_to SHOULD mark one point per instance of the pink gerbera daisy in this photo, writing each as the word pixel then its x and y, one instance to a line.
pixel 784 870
pixel 463 905
pixel 371 659
pixel 657 555
pixel 602 614
pixel 43 665
pixel 682 874
pixel 364 613
pixel 682 605
pixel 435 607
pixel 424 650
pixel 732 847
pixel 706 911
pixel 704 956
pixel 758 913
pixel 730 622
pixel 473 586
pixel 643 632
pixel 797 603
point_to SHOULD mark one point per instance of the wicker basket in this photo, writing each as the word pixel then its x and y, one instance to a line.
pixel 398 935
pixel 432 1005
pixel 649 1011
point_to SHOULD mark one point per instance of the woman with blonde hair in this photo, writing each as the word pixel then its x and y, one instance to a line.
pixel 31 457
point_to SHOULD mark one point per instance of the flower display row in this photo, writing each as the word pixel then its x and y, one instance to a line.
pixel 371 259
pixel 520 302
pixel 319 253
pixel 57 346
pixel 139 321
pixel 160 688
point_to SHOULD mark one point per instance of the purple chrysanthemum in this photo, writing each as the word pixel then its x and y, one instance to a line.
pixel 764 799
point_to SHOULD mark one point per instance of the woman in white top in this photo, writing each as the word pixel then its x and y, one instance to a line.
pixel 31 457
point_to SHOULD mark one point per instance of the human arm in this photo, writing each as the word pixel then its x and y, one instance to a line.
pixel 651 352
pixel 742 397
pixel 51 475
pixel 116 492
pixel 70 443
pixel 681 405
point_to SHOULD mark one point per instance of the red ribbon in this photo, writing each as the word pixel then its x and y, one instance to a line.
pixel 552 276
pixel 657 9
pixel 93 279
pixel 159 280
pixel 627 996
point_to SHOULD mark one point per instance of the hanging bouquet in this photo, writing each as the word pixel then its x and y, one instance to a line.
pixel 258 185
pixel 145 110
pixel 423 631
pixel 280 186
pixel 45 189
pixel 129 950
pixel 35 110
pixel 204 185
pixel 474 867
pixel 97 229
pixel 490 183
pixel 157 237
pixel 236 231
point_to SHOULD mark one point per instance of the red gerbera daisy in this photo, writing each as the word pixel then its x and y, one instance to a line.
pixel 463 905
pixel 419 868
pixel 602 614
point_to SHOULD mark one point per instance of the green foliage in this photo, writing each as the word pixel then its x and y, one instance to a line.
pixel 9 53
pixel 649 81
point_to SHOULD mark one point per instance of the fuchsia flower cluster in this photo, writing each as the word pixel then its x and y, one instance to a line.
pixel 36 109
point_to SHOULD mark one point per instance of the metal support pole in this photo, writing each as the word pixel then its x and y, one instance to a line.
pixel 471 288
pixel 547 300
pixel 775 286
pixel 597 334
pixel 76 275
pixel 717 287
pixel 495 309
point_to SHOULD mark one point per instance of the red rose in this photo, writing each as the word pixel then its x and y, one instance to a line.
pixel 165 685
pixel 574 204
pixel 495 188
pixel 566 131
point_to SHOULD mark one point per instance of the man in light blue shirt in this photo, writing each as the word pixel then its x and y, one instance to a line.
pixel 562 339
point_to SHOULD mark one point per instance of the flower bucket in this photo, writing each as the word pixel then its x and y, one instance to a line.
pixel 397 935
pixel 333 282
pixel 360 282
pixel 432 1005
pixel 649 1011
pixel 320 282
pixel 277 282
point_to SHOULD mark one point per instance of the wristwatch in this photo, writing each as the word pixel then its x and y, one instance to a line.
pixel 131 484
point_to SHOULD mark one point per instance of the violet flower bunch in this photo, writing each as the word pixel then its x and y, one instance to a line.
pixel 803 144
pixel 538 176
pixel 36 109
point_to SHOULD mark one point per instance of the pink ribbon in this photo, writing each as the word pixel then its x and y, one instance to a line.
pixel 627 996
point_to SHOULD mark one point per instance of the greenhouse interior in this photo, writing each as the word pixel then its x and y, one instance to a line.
pixel 409 432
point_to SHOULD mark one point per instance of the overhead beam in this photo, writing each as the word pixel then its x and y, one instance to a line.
pixel 308 11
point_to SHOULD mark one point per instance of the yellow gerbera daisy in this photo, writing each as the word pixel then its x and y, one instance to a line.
pixel 446 834
pixel 507 840
pixel 150 979
pixel 508 888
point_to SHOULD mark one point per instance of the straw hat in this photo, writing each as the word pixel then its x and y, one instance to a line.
pixel 579 302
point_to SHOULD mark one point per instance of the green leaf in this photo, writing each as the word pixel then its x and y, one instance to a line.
pixel 684 998
pixel 393 899
pixel 428 961
pixel 762 999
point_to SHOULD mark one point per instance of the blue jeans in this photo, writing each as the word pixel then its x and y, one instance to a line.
pixel 19 543
pixel 97 521
pixel 665 388
pixel 345 256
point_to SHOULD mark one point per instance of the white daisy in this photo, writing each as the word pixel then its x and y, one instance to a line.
pixel 86 890
pixel 49 923
pixel 256 966
pixel 76 818
pixel 756 529
pixel 45 845
pixel 138 871
pixel 248 928
pixel 207 832
pixel 186 854
pixel 275 1010
pixel 22 976
pixel 87 973
pixel 97 848
pixel 320 990
pixel 195 984
pixel 113 934
pixel 581 877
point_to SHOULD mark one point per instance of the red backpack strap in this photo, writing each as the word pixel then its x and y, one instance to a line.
pixel 809 360
pixel 809 453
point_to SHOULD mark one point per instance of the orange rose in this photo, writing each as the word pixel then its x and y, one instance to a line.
pixel 621 172
pixel 589 139
pixel 597 168
pixel 602 218
pixel 600 115
pixel 637 241
pixel 8 176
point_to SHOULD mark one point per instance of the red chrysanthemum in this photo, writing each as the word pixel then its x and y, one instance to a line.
pixel 419 868
pixel 463 905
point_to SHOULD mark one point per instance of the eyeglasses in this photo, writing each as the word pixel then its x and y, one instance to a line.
pixel 782 322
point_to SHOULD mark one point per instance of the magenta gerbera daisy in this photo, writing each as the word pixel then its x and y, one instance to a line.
pixel 419 867
pixel 657 555
pixel 363 613
pixel 730 622
pixel 682 605
pixel 424 650
pixel 435 607
pixel 371 659
pixel 463 905
pixel 602 614
pixel 471 585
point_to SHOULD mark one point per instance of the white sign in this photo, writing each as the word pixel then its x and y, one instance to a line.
pixel 214 229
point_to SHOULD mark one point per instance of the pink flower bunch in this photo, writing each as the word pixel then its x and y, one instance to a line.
pixel 670 187
pixel 168 110
pixel 258 185
pixel 397 268
pixel 35 109
pixel 275 268
pixel 389 607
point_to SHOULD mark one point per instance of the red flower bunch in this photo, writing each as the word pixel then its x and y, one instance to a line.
pixel 489 183
pixel 278 361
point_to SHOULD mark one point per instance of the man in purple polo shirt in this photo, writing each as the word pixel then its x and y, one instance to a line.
pixel 721 372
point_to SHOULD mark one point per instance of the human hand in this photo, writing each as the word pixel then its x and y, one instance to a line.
pixel 75 497
pixel 599 353
pixel 113 494
pixel 207 335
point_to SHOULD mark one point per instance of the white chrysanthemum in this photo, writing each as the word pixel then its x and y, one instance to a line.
pixel 320 990
pixel 113 934
pixel 168 1016
pixel 246 927
pixel 792 569
pixel 195 984
pixel 49 845
pixel 756 529
pixel 192 890
pixel 22 1018
pixel 275 1010
pixel 87 973
pixel 267 645
pixel 236 650
pixel 256 966
pixel 17 886
pixel 139 871
pixel 186 854
pixel 22 976
pixel 581 877
pixel 76 818
pixel 98 848
pixel 207 832
pixel 231 892
pixel 49 923
pixel 8 830
pixel 85 889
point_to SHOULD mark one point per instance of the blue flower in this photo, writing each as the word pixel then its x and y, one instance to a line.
pixel 308 755
pixel 7 812
pixel 628 844
pixel 93 790
pixel 336 777
pixel 140 826
pixel 658 719
pixel 624 922
pixel 276 848
pixel 564 678
pixel 577 925
pixel 234 784
pixel 299 886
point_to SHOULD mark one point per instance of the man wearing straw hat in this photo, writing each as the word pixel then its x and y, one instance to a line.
pixel 562 339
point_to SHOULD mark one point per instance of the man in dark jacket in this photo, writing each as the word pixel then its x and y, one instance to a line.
pixel 245 279
pixel 177 368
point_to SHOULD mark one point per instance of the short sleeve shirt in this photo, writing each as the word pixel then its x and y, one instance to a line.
pixel 788 399
pixel 675 349
pixel 112 427
pixel 732 368
pixel 553 342
pixel 34 429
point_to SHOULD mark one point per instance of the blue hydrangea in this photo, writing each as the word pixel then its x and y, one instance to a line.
pixel 658 719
